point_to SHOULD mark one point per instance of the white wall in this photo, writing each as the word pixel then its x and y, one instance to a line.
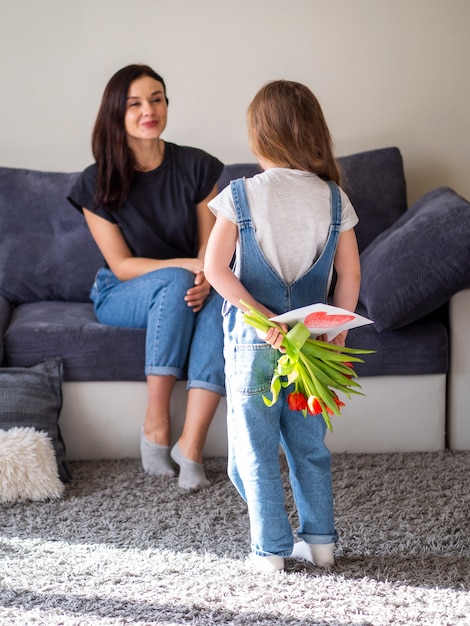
pixel 387 72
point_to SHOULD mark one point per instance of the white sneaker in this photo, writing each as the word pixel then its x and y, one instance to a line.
pixel 323 554
pixel 270 563
pixel 302 551
pixel 319 554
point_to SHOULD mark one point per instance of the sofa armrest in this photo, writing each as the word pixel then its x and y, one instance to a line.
pixel 458 420
pixel 5 313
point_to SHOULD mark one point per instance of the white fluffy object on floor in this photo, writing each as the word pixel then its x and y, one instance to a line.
pixel 28 467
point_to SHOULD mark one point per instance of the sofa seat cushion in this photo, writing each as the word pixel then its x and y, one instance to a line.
pixel 90 351
pixel 417 349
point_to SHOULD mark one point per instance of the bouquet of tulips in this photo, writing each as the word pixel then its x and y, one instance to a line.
pixel 316 368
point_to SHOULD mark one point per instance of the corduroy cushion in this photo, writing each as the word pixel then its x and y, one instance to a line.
pixel 47 251
pixel 417 349
pixel 32 397
pixel 374 181
pixel 89 350
pixel 419 263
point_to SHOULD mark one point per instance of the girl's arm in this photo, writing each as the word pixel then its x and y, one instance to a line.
pixel 205 221
pixel 219 254
pixel 348 269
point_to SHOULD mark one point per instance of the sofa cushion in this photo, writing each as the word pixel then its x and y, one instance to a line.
pixel 419 263
pixel 237 170
pixel 89 350
pixel 5 313
pixel 47 252
pixel 417 349
pixel 31 397
pixel 375 183
pixel 93 351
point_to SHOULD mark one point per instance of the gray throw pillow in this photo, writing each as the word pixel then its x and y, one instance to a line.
pixel 418 263
pixel 32 397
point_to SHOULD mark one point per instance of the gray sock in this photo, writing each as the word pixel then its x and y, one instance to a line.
pixel 155 458
pixel 192 476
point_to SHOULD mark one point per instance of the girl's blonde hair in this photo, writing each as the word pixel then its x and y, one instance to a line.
pixel 286 125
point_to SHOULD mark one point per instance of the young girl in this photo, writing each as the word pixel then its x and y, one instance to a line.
pixel 288 226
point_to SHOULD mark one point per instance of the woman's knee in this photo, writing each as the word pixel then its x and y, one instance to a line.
pixel 132 302
pixel 175 278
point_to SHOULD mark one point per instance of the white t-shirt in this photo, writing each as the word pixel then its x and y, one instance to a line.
pixel 291 215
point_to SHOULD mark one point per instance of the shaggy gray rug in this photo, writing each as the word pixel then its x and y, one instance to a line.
pixel 123 548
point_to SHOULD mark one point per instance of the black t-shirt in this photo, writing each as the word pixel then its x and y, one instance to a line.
pixel 158 219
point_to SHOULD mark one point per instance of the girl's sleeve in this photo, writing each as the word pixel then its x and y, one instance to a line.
pixel 222 204
pixel 349 217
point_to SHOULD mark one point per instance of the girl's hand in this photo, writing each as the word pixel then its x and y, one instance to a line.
pixel 340 340
pixel 196 296
pixel 274 337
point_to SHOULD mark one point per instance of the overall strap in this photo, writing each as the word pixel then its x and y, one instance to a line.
pixel 240 201
pixel 336 205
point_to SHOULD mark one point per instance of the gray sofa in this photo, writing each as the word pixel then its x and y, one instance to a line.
pixel 414 261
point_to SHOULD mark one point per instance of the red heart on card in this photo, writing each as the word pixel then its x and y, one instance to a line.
pixel 322 319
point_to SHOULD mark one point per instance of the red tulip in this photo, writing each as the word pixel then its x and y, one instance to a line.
pixel 297 401
pixel 338 402
pixel 314 406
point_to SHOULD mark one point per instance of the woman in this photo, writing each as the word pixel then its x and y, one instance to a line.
pixel 145 203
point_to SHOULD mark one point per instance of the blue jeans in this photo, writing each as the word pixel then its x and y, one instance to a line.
pixel 179 342
pixel 255 432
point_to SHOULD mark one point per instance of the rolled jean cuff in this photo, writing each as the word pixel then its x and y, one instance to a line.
pixel 154 370
pixel 308 538
pixel 283 553
pixel 203 384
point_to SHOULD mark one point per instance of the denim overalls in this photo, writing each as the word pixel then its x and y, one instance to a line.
pixel 255 431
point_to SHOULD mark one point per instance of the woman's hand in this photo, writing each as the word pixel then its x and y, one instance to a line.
pixel 194 265
pixel 196 296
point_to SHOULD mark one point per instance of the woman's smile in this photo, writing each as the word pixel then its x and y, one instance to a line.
pixel 150 124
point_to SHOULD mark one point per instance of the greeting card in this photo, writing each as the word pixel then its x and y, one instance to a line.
pixel 323 319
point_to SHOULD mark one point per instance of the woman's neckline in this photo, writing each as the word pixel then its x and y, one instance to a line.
pixel 157 163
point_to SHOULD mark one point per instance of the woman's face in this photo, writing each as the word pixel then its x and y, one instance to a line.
pixel 146 109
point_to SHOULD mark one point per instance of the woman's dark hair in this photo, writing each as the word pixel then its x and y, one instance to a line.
pixel 286 125
pixel 115 161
